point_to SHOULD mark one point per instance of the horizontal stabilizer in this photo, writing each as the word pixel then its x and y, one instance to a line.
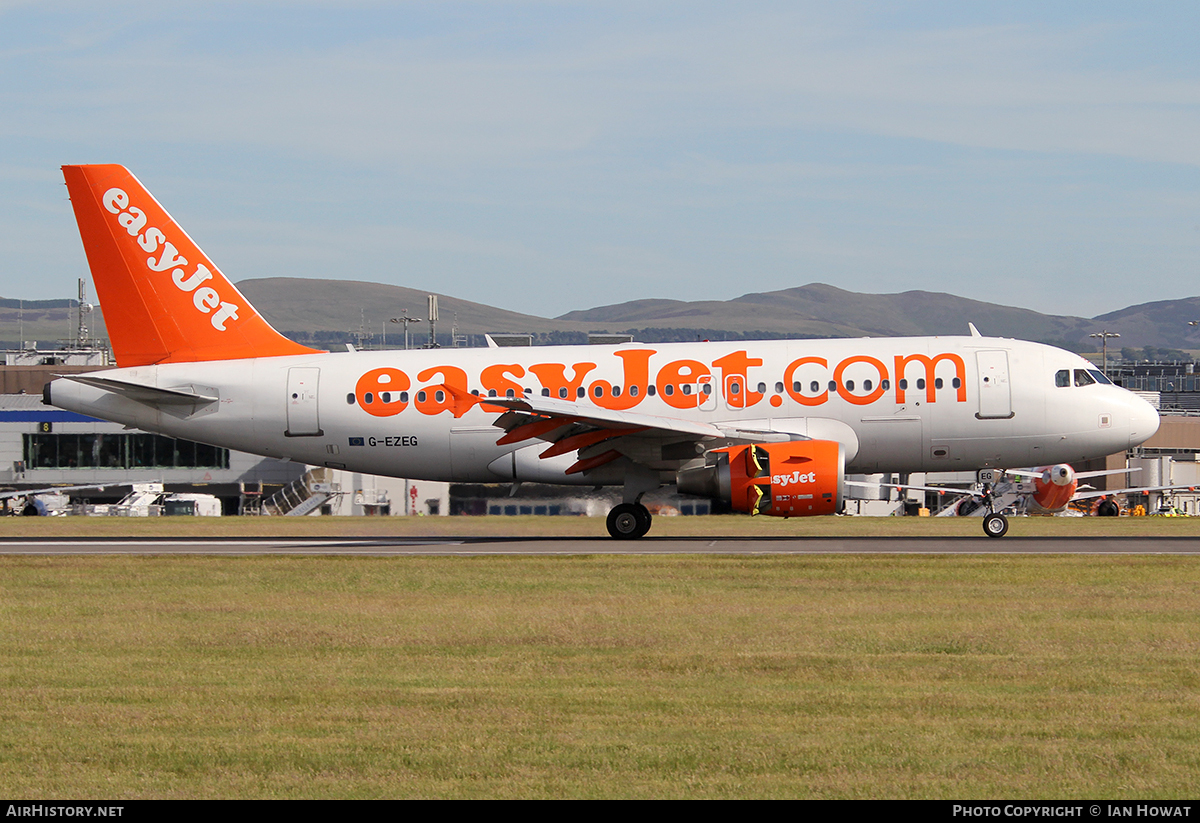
pixel 151 395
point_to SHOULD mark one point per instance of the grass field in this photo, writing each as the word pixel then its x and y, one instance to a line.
pixel 601 676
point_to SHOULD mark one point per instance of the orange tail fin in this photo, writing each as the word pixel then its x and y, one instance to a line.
pixel 164 301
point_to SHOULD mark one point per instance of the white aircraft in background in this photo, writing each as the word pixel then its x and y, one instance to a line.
pixel 769 427
pixel 1045 490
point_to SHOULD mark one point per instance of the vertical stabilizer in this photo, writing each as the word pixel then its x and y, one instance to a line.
pixel 164 301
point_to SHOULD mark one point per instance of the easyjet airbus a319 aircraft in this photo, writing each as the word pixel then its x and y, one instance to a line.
pixel 769 427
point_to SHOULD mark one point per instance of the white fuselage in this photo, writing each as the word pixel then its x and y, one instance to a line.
pixel 897 405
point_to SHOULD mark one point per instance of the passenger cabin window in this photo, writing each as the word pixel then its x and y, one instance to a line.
pixel 1082 378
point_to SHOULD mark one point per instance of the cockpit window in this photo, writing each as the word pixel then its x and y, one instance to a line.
pixel 1100 378
pixel 1062 378
pixel 1082 378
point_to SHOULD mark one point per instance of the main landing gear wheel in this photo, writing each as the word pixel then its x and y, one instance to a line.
pixel 995 525
pixel 628 521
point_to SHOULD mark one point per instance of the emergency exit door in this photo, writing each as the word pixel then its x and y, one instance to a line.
pixel 303 419
pixel 995 391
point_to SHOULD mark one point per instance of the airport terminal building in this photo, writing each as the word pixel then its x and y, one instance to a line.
pixel 41 447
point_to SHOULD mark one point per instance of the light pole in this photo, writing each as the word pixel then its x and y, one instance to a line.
pixel 1104 335
pixel 405 319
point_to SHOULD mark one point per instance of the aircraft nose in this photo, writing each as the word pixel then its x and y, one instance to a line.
pixel 1143 421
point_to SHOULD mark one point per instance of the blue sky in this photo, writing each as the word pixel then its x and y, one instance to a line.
pixel 551 156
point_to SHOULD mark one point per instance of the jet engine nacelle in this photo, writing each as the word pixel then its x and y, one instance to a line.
pixel 1060 475
pixel 791 479
pixel 1055 487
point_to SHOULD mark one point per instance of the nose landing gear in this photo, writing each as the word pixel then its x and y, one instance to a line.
pixel 994 525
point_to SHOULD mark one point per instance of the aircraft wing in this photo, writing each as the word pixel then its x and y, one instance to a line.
pixel 602 435
pixel 1030 474
pixel 1141 490
pixel 1106 472
pixel 545 407
pixel 905 487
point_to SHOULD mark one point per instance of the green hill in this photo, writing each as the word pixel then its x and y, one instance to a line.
pixel 331 312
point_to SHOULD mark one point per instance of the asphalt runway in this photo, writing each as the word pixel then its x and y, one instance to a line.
pixel 482 546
